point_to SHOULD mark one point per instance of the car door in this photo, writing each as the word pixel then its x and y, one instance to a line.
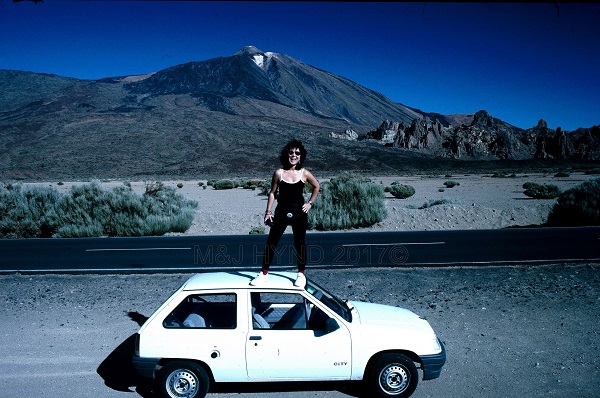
pixel 291 338
pixel 207 327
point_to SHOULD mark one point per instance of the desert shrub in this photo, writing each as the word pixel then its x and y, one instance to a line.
pixel 434 202
pixel 23 211
pixel 121 212
pixel 451 183
pixel 577 206
pixel 89 210
pixel 224 184
pixel 541 191
pixel 562 174
pixel 151 188
pixel 258 230
pixel 401 191
pixel 346 202
pixel 180 185
pixel 250 184
pixel 265 187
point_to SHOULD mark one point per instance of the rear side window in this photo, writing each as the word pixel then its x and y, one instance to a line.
pixel 204 311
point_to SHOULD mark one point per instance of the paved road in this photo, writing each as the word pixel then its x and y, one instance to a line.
pixel 397 249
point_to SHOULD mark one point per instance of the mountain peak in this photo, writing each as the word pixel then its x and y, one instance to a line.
pixel 260 58
pixel 249 50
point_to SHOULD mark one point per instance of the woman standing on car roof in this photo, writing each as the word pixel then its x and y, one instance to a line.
pixel 291 208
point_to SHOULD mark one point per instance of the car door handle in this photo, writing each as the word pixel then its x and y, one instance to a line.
pixel 255 337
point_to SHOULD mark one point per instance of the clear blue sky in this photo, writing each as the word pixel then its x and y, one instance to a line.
pixel 519 61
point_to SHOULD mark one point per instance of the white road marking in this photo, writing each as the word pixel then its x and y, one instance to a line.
pixel 141 249
pixel 396 244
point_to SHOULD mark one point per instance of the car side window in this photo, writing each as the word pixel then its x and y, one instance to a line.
pixel 285 311
pixel 204 311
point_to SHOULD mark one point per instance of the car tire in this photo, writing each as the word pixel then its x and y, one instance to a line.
pixel 183 379
pixel 393 375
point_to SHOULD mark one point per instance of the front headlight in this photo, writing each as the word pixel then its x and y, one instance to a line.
pixel 436 344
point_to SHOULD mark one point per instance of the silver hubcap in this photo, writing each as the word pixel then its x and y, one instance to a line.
pixel 182 383
pixel 394 379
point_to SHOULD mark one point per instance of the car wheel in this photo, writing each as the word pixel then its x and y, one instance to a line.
pixel 184 380
pixel 393 375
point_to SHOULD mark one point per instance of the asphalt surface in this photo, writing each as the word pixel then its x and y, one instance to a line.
pixel 357 249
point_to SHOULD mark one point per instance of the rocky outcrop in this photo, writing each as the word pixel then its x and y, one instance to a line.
pixel 485 138
pixel 421 134
pixel 489 138
pixel 349 135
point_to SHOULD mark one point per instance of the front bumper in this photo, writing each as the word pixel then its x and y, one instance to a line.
pixel 145 367
pixel 432 364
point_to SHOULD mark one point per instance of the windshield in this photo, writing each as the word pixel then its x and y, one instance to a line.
pixel 331 301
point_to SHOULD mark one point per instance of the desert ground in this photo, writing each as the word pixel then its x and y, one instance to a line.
pixel 481 201
pixel 510 331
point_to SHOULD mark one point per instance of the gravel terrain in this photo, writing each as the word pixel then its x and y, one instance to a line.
pixel 519 331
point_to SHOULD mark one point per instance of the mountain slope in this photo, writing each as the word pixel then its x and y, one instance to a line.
pixel 228 116
pixel 221 116
pixel 226 84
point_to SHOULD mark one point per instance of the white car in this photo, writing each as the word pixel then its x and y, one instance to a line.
pixel 218 328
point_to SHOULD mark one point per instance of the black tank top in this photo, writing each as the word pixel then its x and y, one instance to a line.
pixel 290 194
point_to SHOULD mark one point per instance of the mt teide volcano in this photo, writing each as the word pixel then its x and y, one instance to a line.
pixel 224 116
pixel 255 83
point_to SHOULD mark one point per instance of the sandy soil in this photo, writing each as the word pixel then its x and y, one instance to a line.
pixel 479 202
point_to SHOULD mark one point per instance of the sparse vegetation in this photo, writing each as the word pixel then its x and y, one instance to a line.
pixel 89 210
pixel 258 230
pixel 223 184
pixel 401 191
pixel 435 202
pixel 541 191
pixel 577 206
pixel 250 184
pixel 265 187
pixel 502 174
pixel 451 183
pixel 347 202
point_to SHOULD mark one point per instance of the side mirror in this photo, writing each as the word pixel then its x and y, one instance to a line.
pixel 331 325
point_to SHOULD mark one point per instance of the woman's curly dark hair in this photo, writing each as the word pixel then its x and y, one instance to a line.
pixel 284 159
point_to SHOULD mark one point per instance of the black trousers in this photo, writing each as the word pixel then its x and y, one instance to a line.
pixel 299 223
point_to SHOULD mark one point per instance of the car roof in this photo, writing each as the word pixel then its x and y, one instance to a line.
pixel 239 280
